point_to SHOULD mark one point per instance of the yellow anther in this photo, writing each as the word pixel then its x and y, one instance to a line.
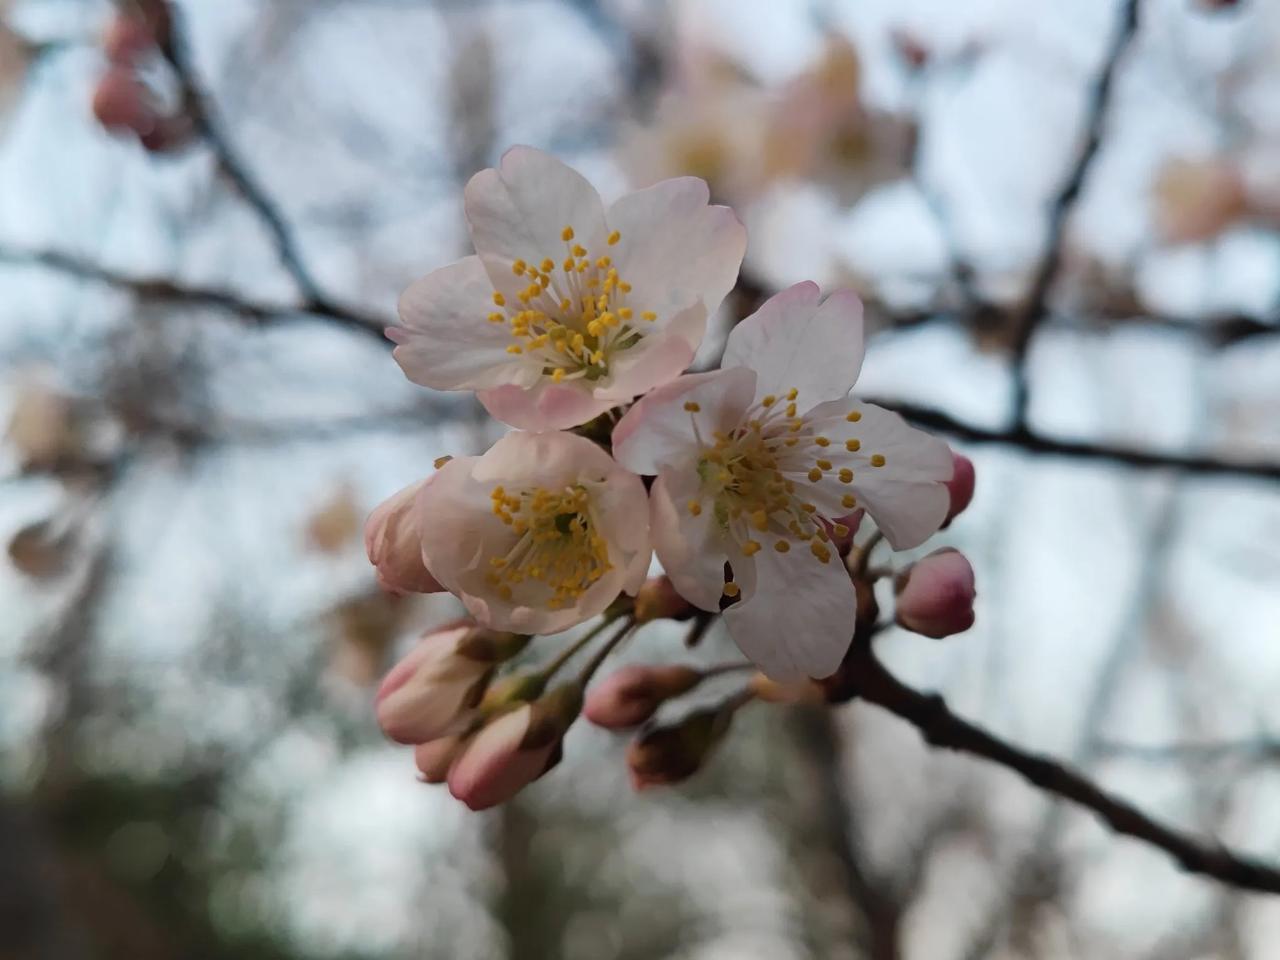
pixel 750 548
pixel 517 267
pixel 846 475
pixel 499 299
pixel 760 520
pixel 579 250
pixel 496 317
pixel 624 313
pixel 557 374
pixel 603 262
pixel 877 460
pixel 595 328
pixel 791 409
pixel 792 393
pixel 839 530
pixel 853 446
pixel 820 551
pixel 853 416
pixel 768 401
pixel 566 234
pixel 645 314
pixel 808 508
pixel 815 475
pixel 624 287
pixel 441 461
pixel 608 319
pixel 614 238
pixel 567 265
pixel 547 265
pixel 782 546
pixel 691 407
pixel 822 441
pixel 823 464
pixel 848 501
pixel 695 508
pixel 731 589
pixel 515 348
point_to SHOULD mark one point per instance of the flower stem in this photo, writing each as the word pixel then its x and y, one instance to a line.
pixel 594 664
pixel 861 556
pixel 565 655
pixel 722 668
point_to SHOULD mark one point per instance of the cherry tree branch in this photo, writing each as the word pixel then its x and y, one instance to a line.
pixel 1036 308
pixel 862 676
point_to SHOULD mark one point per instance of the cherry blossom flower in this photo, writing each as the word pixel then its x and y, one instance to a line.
pixel 758 464
pixel 568 309
pixel 540 533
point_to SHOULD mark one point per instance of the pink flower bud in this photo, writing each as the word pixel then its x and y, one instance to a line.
pixel 435 757
pixel 658 600
pixel 935 595
pixel 127 39
pixel 513 750
pixel 394 545
pixel 960 486
pixel 665 755
pixel 120 102
pixel 433 689
pixel 630 696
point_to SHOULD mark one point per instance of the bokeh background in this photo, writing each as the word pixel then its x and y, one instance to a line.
pixel 200 411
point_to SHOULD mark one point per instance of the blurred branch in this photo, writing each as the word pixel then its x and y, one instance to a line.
pixel 199 108
pixel 170 292
pixel 1257 748
pixel 1036 308
pixel 864 677
pixel 1114 454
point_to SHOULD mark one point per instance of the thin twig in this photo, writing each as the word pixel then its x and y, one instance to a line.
pixel 1115 454
pixel 1036 307
pixel 863 676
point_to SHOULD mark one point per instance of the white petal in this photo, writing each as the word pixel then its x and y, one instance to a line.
pixel 907 496
pixel 691 549
pixel 800 621
pixel 518 211
pixel 658 431
pixel 674 248
pixel 792 341
pixel 444 339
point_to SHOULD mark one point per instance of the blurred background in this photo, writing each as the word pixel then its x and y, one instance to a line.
pixel 199 411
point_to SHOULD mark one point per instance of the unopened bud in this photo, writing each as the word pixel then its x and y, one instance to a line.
pixel 514 749
pixel 935 595
pixel 630 696
pixel 960 486
pixel 394 545
pixel 433 689
pixel 658 600
pixel 435 757
pixel 670 754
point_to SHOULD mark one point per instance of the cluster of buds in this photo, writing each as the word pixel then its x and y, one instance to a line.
pixel 123 99
pixel 753 484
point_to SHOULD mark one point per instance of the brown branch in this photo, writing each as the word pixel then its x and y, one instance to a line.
pixel 864 677
pixel 1113 454
pixel 1036 308
pixel 167 291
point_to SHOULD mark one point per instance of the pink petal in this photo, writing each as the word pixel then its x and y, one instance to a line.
pixel 658 431
pixel 518 211
pixel 545 405
pixel 800 621
pixel 675 250
pixel 792 341
pixel 445 341
pixel 691 549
